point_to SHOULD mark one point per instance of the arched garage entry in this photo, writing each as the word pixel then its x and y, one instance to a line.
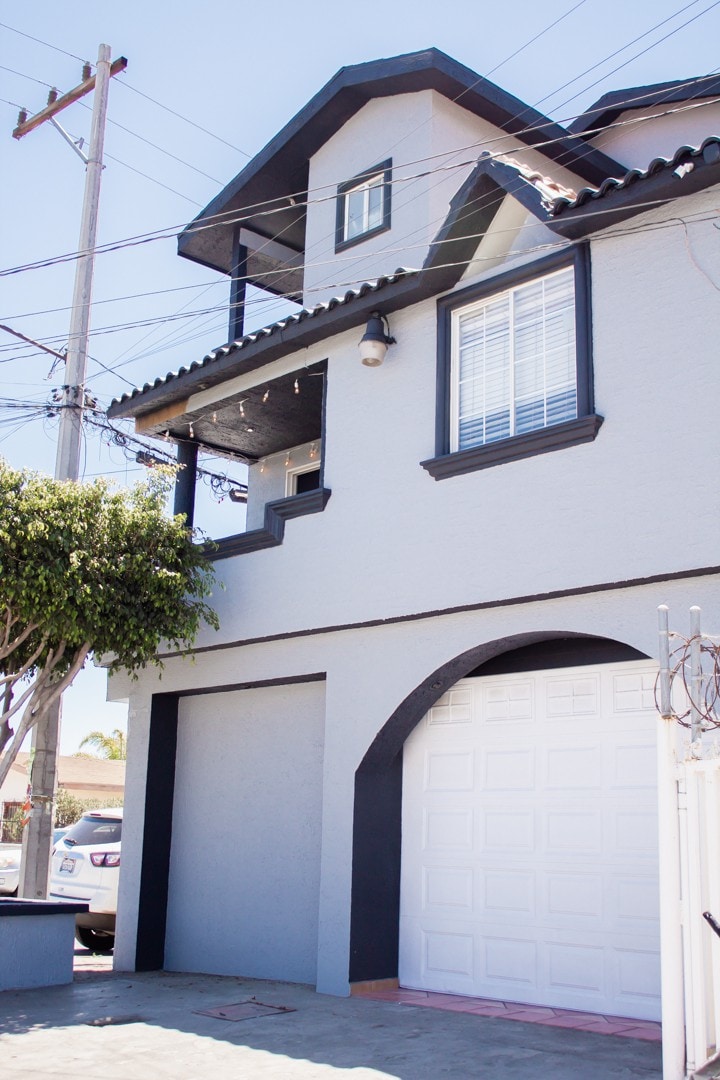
pixel 378 790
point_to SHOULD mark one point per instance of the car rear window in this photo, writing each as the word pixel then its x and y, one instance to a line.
pixel 94 830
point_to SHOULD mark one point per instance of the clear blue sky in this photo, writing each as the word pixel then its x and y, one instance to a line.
pixel 239 71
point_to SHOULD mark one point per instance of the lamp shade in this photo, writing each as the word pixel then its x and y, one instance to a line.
pixel 374 342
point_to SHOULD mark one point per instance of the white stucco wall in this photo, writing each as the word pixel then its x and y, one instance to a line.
pixel 370 671
pixel 641 140
pixel 394 543
pixel 267 480
pixel 434 144
pixel 245 858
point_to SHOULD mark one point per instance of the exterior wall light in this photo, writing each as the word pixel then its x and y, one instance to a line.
pixel 374 342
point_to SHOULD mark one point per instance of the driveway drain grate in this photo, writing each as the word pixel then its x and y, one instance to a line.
pixel 244 1010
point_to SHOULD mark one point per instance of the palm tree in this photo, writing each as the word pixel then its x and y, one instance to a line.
pixel 112 746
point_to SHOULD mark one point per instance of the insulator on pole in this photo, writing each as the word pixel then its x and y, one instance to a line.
pixel 22 117
pixel 86 71
pixel 52 96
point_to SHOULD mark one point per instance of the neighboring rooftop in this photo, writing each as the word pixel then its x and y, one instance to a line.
pixel 609 107
pixel 83 774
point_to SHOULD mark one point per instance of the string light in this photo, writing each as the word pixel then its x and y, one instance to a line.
pixel 265 396
pixel 288 459
pixel 297 387
pixel 313 451
pixel 191 432
pixel 242 410
pixel 214 418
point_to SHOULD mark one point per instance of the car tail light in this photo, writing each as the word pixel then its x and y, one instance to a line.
pixel 105 858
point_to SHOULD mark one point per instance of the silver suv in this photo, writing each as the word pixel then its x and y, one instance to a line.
pixel 86 866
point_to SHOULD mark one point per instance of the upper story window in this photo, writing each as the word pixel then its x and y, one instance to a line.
pixel 363 206
pixel 514 366
pixel 513 362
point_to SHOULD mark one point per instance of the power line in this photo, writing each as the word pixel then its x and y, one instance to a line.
pixel 642 52
pixel 24 76
pixel 160 149
pixel 531 41
pixel 612 55
pixel 180 116
pixel 47 44
pixel 152 179
pixel 627 101
pixel 240 213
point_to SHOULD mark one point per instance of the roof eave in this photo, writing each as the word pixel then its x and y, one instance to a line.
pixel 353 86
pixel 639 192
pixel 471 212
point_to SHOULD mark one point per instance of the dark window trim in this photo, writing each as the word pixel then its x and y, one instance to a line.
pixel 542 441
pixel 383 167
pixel 569 433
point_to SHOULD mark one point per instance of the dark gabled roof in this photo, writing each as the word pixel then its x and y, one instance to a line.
pixel 690 169
pixel 471 212
pixel 280 170
pixel 610 106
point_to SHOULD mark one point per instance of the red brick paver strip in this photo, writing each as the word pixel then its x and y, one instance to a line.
pixel 627 1027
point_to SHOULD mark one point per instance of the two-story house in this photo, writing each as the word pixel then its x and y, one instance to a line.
pixel 422 745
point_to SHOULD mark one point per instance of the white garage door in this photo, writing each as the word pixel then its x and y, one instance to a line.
pixel 529 867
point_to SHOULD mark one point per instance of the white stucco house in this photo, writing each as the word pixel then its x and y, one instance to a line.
pixel 424 734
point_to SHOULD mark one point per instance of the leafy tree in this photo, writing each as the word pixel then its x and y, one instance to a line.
pixel 84 568
pixel 111 747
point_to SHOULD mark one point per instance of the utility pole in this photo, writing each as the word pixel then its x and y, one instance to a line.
pixel 37 840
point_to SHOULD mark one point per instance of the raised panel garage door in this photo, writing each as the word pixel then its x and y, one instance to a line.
pixel 529 866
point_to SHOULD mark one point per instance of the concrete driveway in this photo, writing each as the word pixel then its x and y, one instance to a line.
pixel 111 1026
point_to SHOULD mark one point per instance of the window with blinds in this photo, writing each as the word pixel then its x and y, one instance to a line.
pixel 514 362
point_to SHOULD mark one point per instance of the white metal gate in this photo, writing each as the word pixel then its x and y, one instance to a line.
pixel 689 825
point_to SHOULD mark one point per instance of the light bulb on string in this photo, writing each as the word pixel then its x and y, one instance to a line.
pixel 265 396
pixel 191 432
pixel 297 387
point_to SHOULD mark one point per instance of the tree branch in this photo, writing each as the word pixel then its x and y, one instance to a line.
pixel 15 676
pixel 9 647
pixel 38 698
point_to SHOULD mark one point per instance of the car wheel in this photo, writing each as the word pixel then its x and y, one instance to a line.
pixel 95 940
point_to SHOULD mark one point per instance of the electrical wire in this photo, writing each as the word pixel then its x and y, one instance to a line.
pixel 39 41
pixel 152 179
pixel 612 55
pixel 199 127
pixel 608 74
pixel 160 149
pixel 240 213
pixel 627 101
pixel 194 314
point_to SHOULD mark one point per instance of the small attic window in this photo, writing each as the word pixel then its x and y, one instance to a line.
pixel 363 205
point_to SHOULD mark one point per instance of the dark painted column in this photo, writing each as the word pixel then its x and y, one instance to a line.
pixel 375 911
pixel 187 453
pixel 237 288
pixel 157 833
